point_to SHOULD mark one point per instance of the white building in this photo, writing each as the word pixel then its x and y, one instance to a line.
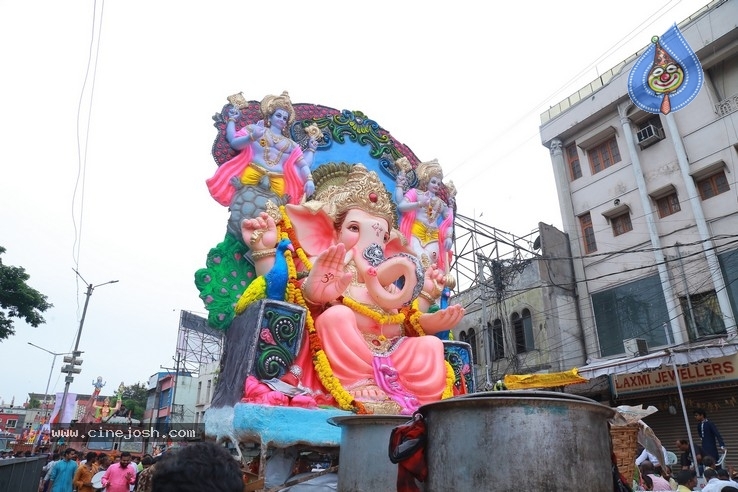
pixel 650 204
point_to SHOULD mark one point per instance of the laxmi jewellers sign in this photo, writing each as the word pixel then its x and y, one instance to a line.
pixel 715 370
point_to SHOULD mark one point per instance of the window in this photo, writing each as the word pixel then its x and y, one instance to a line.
pixel 473 342
pixel 703 315
pixel 713 185
pixel 603 155
pixel 572 159
pixel 621 224
pixel 523 328
pixel 724 75
pixel 633 310
pixel 11 423
pixel 668 205
pixel 588 234
pixel 199 392
pixel 499 343
pixel 729 265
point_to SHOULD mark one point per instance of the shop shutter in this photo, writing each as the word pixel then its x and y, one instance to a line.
pixel 721 405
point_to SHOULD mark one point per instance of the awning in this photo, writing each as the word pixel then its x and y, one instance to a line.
pixel 679 355
pixel 545 380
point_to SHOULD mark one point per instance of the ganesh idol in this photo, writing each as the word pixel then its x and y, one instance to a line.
pixel 369 342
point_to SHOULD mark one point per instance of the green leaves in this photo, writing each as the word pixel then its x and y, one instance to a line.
pixel 18 299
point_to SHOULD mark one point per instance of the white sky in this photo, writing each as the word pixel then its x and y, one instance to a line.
pixel 449 80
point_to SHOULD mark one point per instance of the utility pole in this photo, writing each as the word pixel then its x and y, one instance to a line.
pixel 46 392
pixel 72 362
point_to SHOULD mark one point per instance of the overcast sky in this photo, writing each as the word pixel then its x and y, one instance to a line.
pixel 103 169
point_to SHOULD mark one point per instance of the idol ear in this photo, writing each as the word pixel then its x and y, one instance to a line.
pixel 314 228
pixel 398 244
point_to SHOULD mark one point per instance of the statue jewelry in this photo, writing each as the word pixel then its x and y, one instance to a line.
pixel 264 142
pixel 433 207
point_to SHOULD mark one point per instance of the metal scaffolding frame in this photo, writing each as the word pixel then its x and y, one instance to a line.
pixel 478 247
pixel 197 343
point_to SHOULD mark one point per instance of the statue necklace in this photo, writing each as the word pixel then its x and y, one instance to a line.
pixel 275 140
pixel 432 208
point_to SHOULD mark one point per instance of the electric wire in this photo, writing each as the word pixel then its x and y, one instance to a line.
pixel 503 317
pixel 85 97
pixel 654 17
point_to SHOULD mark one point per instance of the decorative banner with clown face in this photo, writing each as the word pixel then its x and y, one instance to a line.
pixel 667 76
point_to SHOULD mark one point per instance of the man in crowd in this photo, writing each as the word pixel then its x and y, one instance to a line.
pixel 709 434
pixel 120 476
pixel 47 468
pixel 687 480
pixel 63 472
pixel 143 479
pixel 686 461
pixel 714 482
pixel 85 471
pixel 658 483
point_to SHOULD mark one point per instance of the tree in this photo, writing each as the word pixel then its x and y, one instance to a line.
pixel 18 299
pixel 34 403
pixel 134 398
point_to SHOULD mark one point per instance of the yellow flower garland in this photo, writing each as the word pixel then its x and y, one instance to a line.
pixel 415 315
pixel 320 360
pixel 382 319
pixel 450 380
pixel 321 363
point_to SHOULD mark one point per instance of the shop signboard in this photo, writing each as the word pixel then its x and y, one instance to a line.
pixel 706 371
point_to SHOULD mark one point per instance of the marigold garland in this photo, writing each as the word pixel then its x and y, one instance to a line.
pixel 382 319
pixel 287 227
pixel 320 360
pixel 450 380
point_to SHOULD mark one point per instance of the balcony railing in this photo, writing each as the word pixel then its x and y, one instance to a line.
pixel 727 106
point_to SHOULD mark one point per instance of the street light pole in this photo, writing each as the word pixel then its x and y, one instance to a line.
pixel 48 382
pixel 70 369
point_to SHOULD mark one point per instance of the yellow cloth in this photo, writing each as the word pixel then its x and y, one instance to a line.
pixel 253 174
pixel 529 381
pixel 424 233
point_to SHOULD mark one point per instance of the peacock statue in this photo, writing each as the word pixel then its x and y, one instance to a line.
pixel 273 284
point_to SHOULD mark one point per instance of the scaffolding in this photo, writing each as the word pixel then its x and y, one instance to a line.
pixel 197 343
pixel 482 252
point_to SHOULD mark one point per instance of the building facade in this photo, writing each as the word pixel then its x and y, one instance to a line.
pixel 650 205
pixel 519 316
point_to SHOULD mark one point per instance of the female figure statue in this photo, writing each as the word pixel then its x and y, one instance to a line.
pixel 265 150
pixel 427 221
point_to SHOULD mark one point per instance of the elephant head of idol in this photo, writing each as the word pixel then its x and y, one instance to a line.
pixel 352 207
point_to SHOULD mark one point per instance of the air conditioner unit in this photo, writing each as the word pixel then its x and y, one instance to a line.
pixel 649 135
pixel 635 346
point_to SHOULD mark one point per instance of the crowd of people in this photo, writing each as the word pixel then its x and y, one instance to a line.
pixel 682 473
pixel 70 470
pixel 196 467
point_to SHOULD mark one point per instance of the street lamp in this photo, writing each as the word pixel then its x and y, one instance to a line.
pixel 71 368
pixel 48 382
